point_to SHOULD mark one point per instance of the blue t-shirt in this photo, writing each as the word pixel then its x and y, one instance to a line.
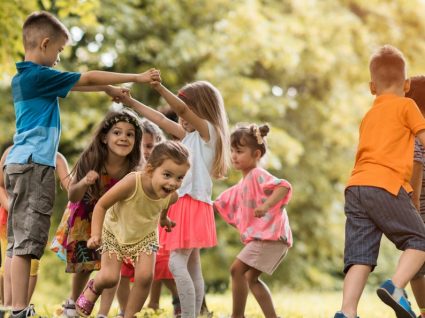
pixel 35 90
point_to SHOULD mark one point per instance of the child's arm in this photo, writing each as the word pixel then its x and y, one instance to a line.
pixel 183 111
pixel 164 220
pixel 97 78
pixel 3 193
pixel 278 194
pixel 62 171
pixel 77 190
pixel 119 192
pixel 154 116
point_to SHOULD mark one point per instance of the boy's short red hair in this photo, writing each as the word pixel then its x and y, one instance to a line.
pixel 387 67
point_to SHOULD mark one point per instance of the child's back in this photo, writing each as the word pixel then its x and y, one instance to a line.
pixel 385 151
pixel 376 198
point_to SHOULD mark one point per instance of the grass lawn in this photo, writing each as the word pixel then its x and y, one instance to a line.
pixel 289 305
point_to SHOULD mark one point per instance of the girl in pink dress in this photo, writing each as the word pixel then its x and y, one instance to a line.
pixel 203 129
pixel 256 207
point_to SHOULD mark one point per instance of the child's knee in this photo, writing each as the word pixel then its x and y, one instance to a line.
pixel 235 270
pixel 251 278
pixel 108 280
pixel 144 281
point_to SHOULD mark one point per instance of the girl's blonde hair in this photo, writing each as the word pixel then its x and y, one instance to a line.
pixel 206 102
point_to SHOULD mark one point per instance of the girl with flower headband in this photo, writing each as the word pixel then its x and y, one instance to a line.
pixel 203 129
pixel 256 207
pixel 113 152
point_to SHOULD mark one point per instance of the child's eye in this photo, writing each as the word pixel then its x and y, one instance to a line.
pixel 167 175
pixel 130 135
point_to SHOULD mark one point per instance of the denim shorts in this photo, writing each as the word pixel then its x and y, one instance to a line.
pixel 31 191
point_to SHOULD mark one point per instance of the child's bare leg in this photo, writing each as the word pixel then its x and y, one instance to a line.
pixel 409 264
pixel 107 277
pixel 143 276
pixel 239 288
pixel 20 280
pixel 31 286
pixel 354 283
pixel 171 286
pixel 123 292
pixel 7 281
pixel 106 300
pixel 79 280
pixel 155 294
pixel 261 292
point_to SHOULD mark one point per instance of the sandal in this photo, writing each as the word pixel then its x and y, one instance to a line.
pixel 83 306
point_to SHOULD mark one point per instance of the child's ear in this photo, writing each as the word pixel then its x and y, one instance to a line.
pixel 44 43
pixel 148 169
pixel 257 154
pixel 406 86
pixel 372 88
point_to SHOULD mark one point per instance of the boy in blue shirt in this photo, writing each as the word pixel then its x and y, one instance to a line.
pixel 29 167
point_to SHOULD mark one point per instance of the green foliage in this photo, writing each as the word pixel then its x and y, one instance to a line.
pixel 301 66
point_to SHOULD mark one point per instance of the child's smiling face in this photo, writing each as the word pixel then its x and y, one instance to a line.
pixel 168 177
pixel 120 139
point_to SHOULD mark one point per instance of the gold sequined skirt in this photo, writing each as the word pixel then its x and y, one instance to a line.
pixel 129 253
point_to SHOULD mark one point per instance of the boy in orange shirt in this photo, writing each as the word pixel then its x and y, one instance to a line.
pixel 377 197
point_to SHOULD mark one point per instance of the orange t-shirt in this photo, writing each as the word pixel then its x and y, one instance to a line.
pixel 385 152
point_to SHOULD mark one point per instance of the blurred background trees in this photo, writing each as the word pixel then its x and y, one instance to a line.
pixel 300 66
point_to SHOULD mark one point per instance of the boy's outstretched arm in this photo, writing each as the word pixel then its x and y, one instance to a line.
pixel 97 78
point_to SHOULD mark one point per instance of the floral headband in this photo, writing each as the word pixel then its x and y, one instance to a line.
pixel 122 117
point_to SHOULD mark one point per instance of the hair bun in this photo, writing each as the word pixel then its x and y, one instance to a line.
pixel 264 130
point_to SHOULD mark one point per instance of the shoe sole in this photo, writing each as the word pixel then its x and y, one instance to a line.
pixel 80 313
pixel 389 300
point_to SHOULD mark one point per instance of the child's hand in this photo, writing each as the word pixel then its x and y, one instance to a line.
pixel 91 177
pixel 124 98
pixel 260 211
pixel 167 223
pixel 117 92
pixel 152 75
pixel 94 242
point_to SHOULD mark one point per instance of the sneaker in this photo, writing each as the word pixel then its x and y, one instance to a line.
pixel 401 306
pixel 69 309
pixel 340 314
pixel 27 312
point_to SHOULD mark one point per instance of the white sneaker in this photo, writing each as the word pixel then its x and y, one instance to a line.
pixel 69 309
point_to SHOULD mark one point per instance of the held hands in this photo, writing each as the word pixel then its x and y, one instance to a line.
pixel 94 242
pixel 151 76
pixel 91 177
pixel 117 92
pixel 260 211
pixel 167 223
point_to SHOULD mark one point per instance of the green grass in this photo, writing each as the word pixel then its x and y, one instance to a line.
pixel 54 286
pixel 289 305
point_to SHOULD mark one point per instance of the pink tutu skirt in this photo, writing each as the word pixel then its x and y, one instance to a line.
pixel 195 225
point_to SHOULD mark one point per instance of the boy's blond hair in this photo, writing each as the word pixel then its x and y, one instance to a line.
pixel 40 25
pixel 387 67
